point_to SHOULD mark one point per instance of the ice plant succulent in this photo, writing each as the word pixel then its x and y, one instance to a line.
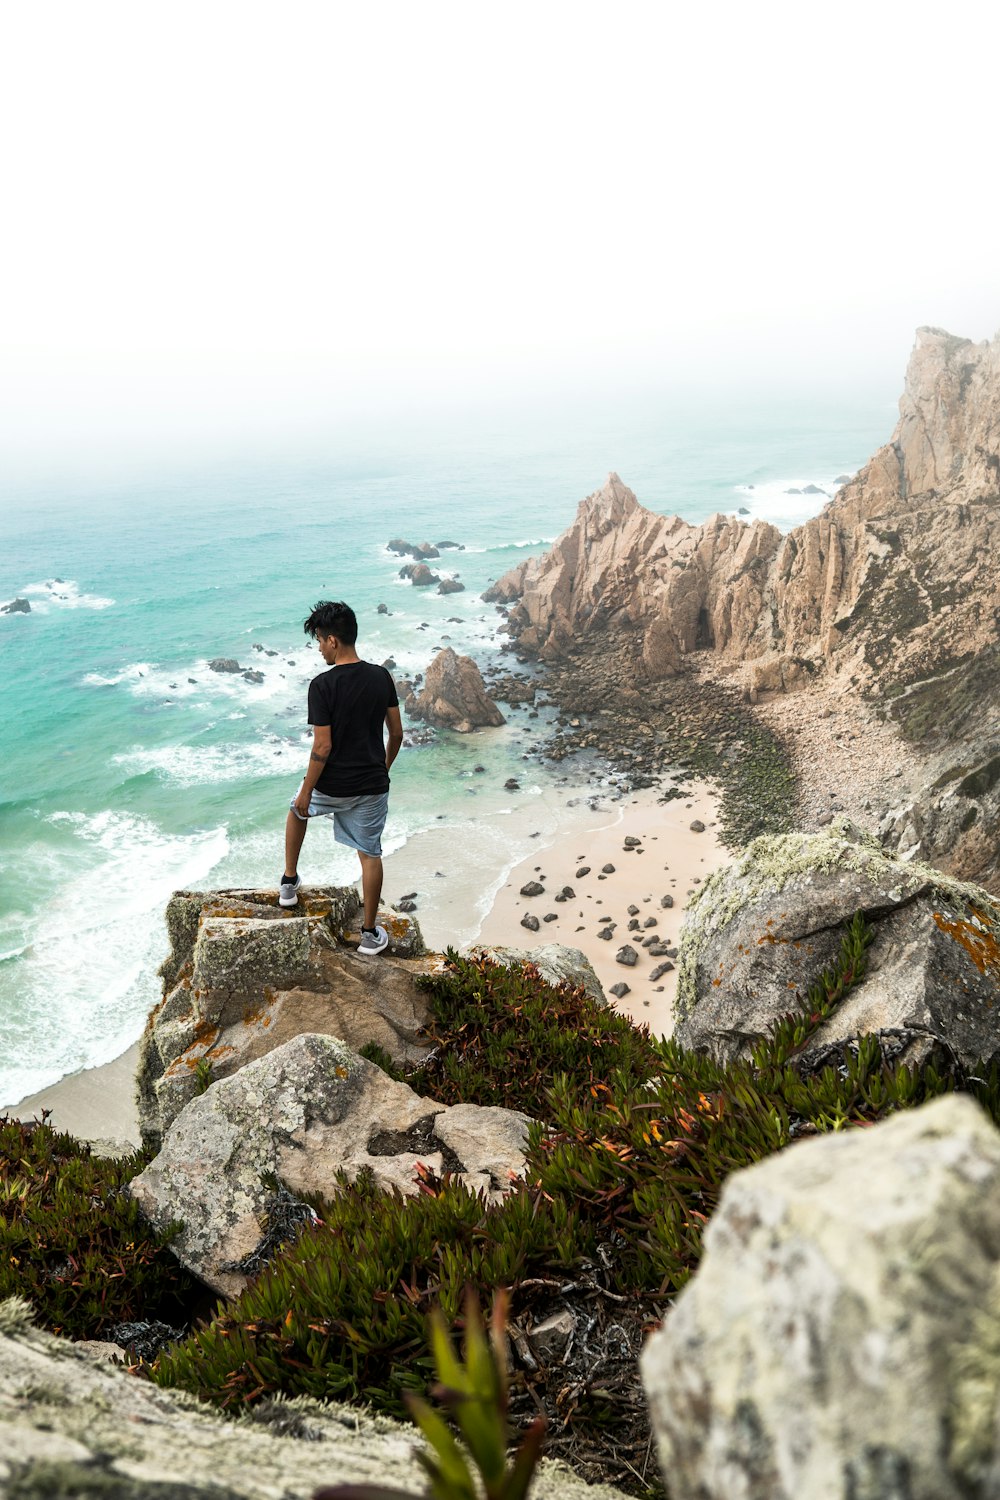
pixel 474 1394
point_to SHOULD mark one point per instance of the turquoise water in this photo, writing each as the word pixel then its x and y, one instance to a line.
pixel 129 769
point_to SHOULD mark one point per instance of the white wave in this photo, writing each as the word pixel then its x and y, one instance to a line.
pixel 783 502
pixel 87 977
pixel 521 545
pixel 61 593
pixel 206 765
pixel 145 679
pixel 131 674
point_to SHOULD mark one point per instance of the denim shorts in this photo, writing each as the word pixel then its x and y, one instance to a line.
pixel 357 821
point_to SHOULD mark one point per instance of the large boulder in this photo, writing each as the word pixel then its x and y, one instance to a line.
pixel 16 607
pixel 760 931
pixel 245 975
pixel 72 1427
pixel 454 695
pixel 297 1117
pixel 840 1335
pixel 556 964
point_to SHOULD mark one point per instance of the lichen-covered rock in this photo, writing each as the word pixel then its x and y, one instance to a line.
pixel 556 963
pixel 454 695
pixel 760 931
pixel 243 976
pixel 839 1338
pixel 70 1427
pixel 298 1116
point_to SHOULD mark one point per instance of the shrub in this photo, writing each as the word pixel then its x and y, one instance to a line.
pixel 73 1243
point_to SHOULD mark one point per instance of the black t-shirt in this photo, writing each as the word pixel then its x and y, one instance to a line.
pixel 352 699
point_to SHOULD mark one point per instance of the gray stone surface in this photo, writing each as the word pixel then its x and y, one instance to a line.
pixel 70 1427
pixel 557 963
pixel 298 1116
pixel 839 1338
pixel 761 930
pixel 243 976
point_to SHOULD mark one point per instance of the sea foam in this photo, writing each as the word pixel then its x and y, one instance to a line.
pixel 86 977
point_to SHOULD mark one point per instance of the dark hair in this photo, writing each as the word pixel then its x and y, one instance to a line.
pixel 333 618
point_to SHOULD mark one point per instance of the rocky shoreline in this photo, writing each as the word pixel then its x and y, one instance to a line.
pixel 689 727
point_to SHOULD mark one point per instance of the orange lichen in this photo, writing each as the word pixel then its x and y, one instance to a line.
pixel 976 937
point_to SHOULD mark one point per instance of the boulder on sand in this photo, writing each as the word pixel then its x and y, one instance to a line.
pixel 244 975
pixel 454 695
pixel 297 1117
pixel 839 1337
pixel 761 930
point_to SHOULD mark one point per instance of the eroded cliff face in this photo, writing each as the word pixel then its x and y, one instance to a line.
pixel 896 576
pixel 891 593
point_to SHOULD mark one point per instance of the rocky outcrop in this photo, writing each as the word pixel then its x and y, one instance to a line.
pixel 894 573
pixel 419 574
pixel 418 551
pixel 454 695
pixel 891 594
pixel 760 931
pixel 245 975
pixel 297 1117
pixel 556 964
pixel 16 607
pixel 839 1336
pixel 72 1427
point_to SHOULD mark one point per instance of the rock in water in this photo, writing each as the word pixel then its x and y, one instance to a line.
pixel 451 586
pixel 299 1115
pixel 16 607
pixel 839 1336
pixel 760 931
pixel 454 695
pixel 224 664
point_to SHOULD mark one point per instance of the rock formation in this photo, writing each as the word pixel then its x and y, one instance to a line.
pixel 454 695
pixel 243 976
pixel 891 593
pixel 839 1336
pixel 16 607
pixel 299 1115
pixel 70 1426
pixel 556 964
pixel 419 574
pixel 761 930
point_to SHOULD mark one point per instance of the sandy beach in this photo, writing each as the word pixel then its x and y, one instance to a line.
pixel 669 860
pixel 584 832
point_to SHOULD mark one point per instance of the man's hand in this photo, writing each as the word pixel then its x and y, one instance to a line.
pixel 301 803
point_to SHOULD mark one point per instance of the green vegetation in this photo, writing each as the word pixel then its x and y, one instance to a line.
pixel 474 1395
pixel 637 1141
pixel 633 1143
pixel 73 1243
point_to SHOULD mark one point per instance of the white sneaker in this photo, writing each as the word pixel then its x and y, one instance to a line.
pixel 373 942
pixel 288 892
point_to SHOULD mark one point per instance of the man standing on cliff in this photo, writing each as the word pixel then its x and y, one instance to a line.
pixel 348 774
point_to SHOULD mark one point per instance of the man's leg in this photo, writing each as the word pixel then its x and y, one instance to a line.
pixel 371 885
pixel 295 832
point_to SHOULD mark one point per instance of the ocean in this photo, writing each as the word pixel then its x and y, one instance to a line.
pixel 129 769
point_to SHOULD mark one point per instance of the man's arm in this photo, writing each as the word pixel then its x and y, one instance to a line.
pixel 394 724
pixel 322 749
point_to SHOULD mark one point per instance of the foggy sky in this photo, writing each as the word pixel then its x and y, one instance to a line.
pixel 221 216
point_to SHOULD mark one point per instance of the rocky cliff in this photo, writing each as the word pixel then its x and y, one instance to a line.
pixel 891 595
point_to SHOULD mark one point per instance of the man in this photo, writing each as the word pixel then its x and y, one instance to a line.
pixel 348 774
